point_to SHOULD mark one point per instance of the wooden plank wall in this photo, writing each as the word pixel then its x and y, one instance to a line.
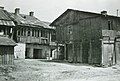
pixel 87 35
pixel 6 55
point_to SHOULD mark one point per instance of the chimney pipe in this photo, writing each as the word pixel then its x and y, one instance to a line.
pixel 117 12
pixel 31 13
pixel 104 13
pixel 1 7
pixel 17 11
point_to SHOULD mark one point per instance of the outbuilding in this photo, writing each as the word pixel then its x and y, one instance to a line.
pixel 6 51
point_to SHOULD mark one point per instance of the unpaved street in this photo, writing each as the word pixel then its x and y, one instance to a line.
pixel 37 70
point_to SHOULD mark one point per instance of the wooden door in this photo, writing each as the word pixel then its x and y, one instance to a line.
pixel 108 56
pixel 117 49
pixel 69 52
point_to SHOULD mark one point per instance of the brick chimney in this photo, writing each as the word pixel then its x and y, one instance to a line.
pixel 31 13
pixel 104 13
pixel 17 11
pixel 1 7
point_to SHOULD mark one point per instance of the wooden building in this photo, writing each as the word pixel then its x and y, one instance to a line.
pixel 34 34
pixel 88 37
pixel 6 51
pixel 6 44
pixel 6 24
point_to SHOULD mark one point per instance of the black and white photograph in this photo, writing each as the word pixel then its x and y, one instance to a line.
pixel 59 40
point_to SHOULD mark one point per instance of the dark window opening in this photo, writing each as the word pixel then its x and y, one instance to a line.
pixel 110 27
pixel 8 31
pixel 53 36
pixel 32 32
pixel 25 32
pixel 22 32
pixel 43 33
pixel 38 33
pixel 69 29
pixel 18 32
pixel 28 32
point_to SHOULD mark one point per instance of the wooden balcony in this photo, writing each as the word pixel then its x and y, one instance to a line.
pixel 29 39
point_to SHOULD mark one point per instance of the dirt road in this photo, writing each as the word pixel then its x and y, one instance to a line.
pixel 37 70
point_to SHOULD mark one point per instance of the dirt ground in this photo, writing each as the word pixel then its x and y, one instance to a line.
pixel 37 70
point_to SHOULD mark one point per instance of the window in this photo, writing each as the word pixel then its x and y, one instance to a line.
pixel 22 32
pixel 8 31
pixel 38 33
pixel 1 32
pixel 43 33
pixel 18 32
pixel 28 32
pixel 44 41
pixel 25 32
pixel 53 36
pixel 110 27
pixel 69 30
pixel 33 32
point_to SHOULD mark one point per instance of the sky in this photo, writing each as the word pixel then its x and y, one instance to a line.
pixel 49 10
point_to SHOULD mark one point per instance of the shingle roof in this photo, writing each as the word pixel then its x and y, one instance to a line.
pixel 26 20
pixel 48 23
pixel 5 19
pixel 5 41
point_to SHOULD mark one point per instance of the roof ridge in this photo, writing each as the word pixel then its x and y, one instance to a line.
pixel 91 12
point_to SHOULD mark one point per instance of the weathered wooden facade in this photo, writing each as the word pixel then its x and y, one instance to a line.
pixel 35 34
pixel 88 37
pixel 6 51
pixel 6 24
pixel 6 44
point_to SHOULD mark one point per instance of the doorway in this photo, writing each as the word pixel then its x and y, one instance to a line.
pixel 108 56
pixel 37 54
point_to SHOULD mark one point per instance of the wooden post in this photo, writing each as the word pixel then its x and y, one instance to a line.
pixel 90 52
pixel 81 52
pixel 73 47
pixel 115 51
pixel 57 51
pixel 65 52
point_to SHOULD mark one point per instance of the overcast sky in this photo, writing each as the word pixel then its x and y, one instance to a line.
pixel 48 10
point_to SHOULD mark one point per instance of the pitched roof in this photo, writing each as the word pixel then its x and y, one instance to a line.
pixel 5 41
pixel 48 23
pixel 5 19
pixel 78 11
pixel 26 20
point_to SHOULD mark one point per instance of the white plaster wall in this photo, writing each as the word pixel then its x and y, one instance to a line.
pixel 19 50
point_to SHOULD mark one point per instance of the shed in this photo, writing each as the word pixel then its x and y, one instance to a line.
pixel 6 51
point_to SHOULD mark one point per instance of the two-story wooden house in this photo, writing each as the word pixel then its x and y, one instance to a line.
pixel 88 37
pixel 32 34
